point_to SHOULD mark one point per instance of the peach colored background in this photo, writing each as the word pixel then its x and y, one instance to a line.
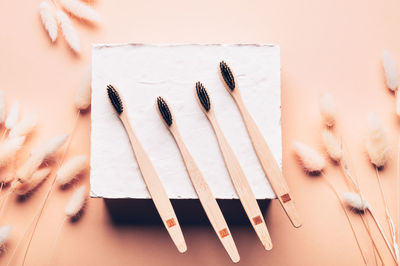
pixel 330 46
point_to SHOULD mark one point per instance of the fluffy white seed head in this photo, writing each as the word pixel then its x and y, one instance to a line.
pixel 50 147
pixel 13 115
pixel 327 108
pixel 81 10
pixel 83 94
pixel 390 69
pixel 25 126
pixel 9 149
pixel 332 145
pixel 7 175
pixel 37 157
pixel 376 143
pixel 2 108
pixel 5 232
pixel 76 202
pixel 355 201
pixel 28 168
pixel 311 160
pixel 48 20
pixel 37 178
pixel 69 32
pixel 71 169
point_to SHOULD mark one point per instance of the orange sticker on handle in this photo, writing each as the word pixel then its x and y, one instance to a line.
pixel 170 222
pixel 257 220
pixel 285 198
pixel 223 233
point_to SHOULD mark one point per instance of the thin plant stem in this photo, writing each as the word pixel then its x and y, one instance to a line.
pixel 2 196
pixel 388 216
pixel 38 215
pixel 56 240
pixel 368 229
pixel 382 233
pixel 398 187
pixel 43 204
pixel 347 216
pixel 366 225
pixel 4 134
pixel 356 187
pixel 346 173
pixel 21 239
pixel 372 240
pixel 3 203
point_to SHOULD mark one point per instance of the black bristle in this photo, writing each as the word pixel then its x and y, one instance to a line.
pixel 164 111
pixel 227 75
pixel 203 96
pixel 115 99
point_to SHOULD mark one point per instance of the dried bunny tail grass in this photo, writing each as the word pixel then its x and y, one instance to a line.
pixel 28 168
pixel 311 160
pixel 346 214
pixel 69 32
pixel 332 145
pixel 50 147
pixel 37 157
pixel 25 126
pixel 81 10
pixel 360 204
pixel 376 144
pixel 390 69
pixel 48 20
pixel 13 115
pixel 5 232
pixel 72 211
pixel 71 169
pixel 37 178
pixel 9 148
pixel 355 201
pixel 47 150
pixel 327 108
pixel 83 94
pixel 76 203
pixel 2 108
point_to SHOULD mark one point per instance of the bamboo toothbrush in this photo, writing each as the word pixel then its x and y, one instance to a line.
pixel 264 154
pixel 239 180
pixel 206 197
pixel 153 183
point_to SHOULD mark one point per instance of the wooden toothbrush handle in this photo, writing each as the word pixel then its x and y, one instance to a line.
pixel 269 165
pixel 208 201
pixel 242 186
pixel 156 189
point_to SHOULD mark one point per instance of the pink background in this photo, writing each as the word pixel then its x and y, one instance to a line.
pixel 330 46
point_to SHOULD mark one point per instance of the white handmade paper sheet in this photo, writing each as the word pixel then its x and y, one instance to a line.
pixel 142 72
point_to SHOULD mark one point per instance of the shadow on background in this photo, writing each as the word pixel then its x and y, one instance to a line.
pixel 188 211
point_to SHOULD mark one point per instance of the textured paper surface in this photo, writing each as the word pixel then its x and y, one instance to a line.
pixel 143 72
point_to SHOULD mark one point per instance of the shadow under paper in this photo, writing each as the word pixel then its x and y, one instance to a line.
pixel 188 211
